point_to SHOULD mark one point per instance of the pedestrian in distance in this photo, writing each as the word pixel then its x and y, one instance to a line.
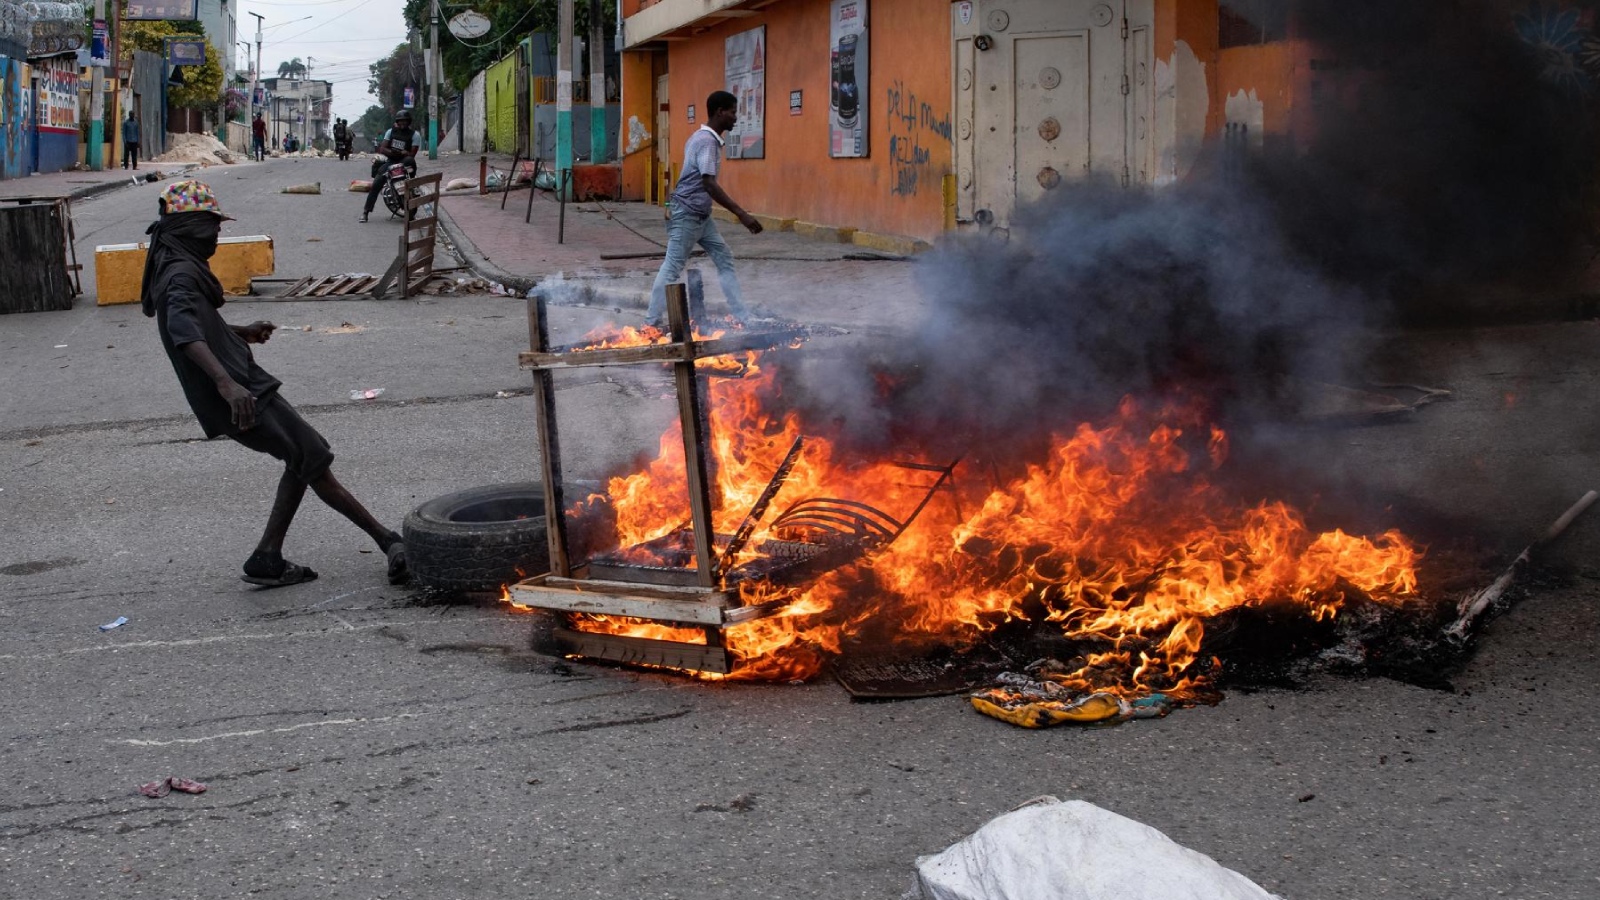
pixel 258 138
pixel 399 144
pixel 229 393
pixel 689 219
pixel 130 142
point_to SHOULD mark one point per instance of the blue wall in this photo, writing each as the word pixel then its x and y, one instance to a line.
pixel 16 124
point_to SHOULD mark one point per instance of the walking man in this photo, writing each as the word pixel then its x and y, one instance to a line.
pixel 258 138
pixel 399 144
pixel 691 221
pixel 229 393
pixel 130 142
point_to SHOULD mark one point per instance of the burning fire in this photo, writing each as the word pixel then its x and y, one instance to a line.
pixel 1117 536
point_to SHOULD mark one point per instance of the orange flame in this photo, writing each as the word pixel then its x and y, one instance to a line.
pixel 1117 536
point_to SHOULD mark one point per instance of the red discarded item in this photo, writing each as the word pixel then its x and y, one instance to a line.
pixel 158 789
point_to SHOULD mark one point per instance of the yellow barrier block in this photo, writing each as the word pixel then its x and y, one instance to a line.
pixel 119 268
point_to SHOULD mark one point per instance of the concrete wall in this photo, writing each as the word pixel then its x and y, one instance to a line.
pixel 500 104
pixel 16 130
pixel 474 118
pixel 147 87
pixel 910 63
pixel 544 129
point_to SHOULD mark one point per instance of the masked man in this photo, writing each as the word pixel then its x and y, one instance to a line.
pixel 232 395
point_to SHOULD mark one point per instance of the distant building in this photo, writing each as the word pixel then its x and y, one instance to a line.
pixel 300 107
pixel 222 28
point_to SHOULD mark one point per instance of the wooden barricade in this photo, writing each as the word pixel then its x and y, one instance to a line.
pixel 413 265
pixel 36 239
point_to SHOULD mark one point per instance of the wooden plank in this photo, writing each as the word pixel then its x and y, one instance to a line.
pixel 695 437
pixel 646 591
pixel 646 652
pixel 538 593
pixel 544 407
pixel 424 222
pixel 666 353
pixel 422 243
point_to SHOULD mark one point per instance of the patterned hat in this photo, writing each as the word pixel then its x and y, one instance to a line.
pixel 190 196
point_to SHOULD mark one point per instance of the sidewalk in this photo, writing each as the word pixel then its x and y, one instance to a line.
pixel 81 185
pixel 783 273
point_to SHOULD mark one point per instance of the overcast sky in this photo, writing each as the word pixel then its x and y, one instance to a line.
pixel 337 38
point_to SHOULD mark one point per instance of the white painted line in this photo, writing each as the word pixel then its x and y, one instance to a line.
pixel 219 639
pixel 259 731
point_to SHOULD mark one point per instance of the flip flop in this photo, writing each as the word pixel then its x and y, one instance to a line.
pixel 291 574
pixel 399 573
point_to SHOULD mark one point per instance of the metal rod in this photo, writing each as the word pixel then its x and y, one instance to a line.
pixel 564 185
pixel 533 188
pixel 748 526
pixel 1474 605
pixel 516 159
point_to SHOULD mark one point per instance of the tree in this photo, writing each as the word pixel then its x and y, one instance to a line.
pixel 373 123
pixel 294 68
pixel 510 21
pixel 202 84
pixel 391 75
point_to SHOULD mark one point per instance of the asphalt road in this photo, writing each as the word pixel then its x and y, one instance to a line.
pixel 361 744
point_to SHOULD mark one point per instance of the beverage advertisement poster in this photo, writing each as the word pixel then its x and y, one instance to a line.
pixel 745 69
pixel 847 99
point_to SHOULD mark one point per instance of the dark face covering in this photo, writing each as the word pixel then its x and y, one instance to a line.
pixel 189 237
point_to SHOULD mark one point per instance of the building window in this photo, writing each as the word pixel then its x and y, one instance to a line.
pixel 1245 23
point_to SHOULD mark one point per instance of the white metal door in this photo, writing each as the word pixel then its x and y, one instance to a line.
pixel 1048 92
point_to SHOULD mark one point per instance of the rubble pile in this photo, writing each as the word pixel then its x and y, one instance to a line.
pixel 197 148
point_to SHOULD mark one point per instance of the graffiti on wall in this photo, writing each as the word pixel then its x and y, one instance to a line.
pixel 916 129
pixel 16 130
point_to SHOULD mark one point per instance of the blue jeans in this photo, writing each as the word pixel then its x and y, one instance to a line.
pixel 684 231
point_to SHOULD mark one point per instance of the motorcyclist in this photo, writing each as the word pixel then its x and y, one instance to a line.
pixel 341 138
pixel 399 144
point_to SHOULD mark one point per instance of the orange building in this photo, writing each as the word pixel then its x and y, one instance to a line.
pixel 952 113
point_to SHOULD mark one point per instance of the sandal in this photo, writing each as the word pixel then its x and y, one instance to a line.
pixel 399 573
pixel 259 569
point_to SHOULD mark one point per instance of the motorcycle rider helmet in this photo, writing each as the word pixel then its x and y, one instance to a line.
pixel 403 115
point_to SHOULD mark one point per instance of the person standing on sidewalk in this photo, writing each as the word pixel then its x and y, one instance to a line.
pixel 130 142
pixel 258 138
pixel 232 395
pixel 690 220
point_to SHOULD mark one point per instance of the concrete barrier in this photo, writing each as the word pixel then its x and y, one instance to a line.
pixel 119 268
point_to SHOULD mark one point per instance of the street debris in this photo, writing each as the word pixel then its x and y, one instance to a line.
pixel 155 790
pixel 1073 850
pixel 197 148
pixel 368 394
pixel 461 184
pixel 312 188
pixel 360 186
pixel 739 804
pixel 118 623
pixel 1035 701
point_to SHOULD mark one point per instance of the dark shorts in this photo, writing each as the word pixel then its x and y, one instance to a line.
pixel 282 434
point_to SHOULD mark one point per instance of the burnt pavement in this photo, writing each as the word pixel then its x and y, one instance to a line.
pixel 361 742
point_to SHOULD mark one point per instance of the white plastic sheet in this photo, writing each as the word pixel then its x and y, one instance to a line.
pixel 1050 850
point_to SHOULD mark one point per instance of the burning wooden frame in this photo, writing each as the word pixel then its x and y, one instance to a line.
pixel 690 577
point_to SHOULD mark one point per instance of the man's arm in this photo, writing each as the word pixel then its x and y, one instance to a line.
pixel 239 400
pixel 255 332
pixel 721 196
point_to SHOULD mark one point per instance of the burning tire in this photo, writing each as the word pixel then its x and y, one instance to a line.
pixel 479 539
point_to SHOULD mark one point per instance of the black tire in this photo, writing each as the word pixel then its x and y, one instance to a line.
pixel 478 540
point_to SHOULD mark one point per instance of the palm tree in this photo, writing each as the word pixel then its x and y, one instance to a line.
pixel 294 68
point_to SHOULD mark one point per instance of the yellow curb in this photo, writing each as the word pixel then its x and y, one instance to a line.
pixel 774 223
pixel 889 243
pixel 718 212
pixel 832 234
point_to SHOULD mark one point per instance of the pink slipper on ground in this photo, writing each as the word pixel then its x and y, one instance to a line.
pixel 158 789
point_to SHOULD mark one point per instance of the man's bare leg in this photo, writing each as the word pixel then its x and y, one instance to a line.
pixel 339 498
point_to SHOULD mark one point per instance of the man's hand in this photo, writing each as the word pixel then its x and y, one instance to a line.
pixel 750 222
pixel 256 332
pixel 239 401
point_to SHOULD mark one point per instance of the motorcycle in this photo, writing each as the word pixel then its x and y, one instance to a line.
pixel 394 191
pixel 341 146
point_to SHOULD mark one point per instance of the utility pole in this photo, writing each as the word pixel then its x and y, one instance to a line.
pixel 435 77
pixel 564 98
pixel 597 81
pixel 255 74
pixel 94 154
pixel 311 103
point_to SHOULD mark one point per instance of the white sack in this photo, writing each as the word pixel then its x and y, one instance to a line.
pixel 1049 850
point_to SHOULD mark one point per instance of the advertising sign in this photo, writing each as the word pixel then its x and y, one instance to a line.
pixel 155 10
pixel 185 52
pixel 847 99
pixel 411 98
pixel 745 71
pixel 98 56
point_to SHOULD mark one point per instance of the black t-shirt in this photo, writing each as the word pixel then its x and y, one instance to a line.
pixel 185 315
